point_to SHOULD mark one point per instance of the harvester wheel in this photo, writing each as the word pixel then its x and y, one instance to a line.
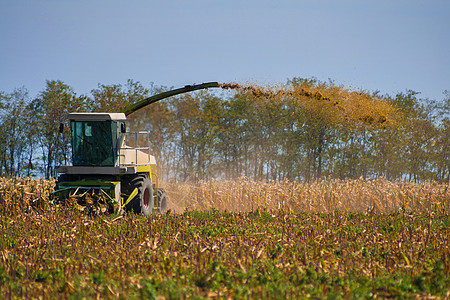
pixel 143 202
pixel 162 198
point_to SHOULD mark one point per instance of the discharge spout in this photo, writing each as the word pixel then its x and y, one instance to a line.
pixel 147 101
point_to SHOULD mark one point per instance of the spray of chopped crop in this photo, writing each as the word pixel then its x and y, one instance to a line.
pixel 337 103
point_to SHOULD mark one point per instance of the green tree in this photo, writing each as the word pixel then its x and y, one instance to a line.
pixel 16 139
pixel 114 98
pixel 441 159
pixel 193 141
pixel 52 107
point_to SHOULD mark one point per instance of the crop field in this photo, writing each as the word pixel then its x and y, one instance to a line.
pixel 358 195
pixel 234 239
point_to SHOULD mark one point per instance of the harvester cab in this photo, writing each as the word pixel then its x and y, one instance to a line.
pixel 96 138
pixel 112 168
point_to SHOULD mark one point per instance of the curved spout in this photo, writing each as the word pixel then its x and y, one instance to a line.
pixel 188 88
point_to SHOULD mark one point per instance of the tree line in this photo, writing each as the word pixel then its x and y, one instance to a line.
pixel 226 134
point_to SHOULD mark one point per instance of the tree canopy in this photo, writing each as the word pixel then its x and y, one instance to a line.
pixel 303 130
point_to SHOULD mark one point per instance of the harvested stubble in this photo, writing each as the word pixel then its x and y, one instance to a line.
pixel 328 195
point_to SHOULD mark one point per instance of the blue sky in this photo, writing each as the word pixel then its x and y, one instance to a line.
pixel 383 45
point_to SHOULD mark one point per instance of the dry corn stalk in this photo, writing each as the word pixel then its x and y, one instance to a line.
pixel 326 195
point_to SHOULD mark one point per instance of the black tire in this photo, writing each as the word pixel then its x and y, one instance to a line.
pixel 162 199
pixel 143 202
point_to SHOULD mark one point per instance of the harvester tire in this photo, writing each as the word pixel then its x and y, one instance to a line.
pixel 162 199
pixel 143 202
